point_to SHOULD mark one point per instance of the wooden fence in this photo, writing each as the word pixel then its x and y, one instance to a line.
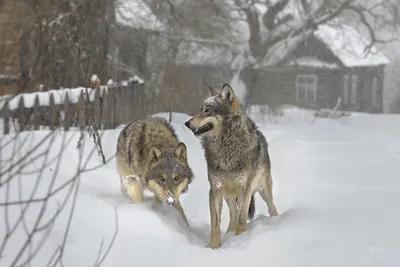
pixel 105 108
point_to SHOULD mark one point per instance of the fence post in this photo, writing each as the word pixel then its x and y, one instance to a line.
pixel 6 117
pixel 140 107
pixel 81 114
pixel 21 113
pixel 52 113
pixel 105 116
pixel 67 113
pixel 111 109
pixel 97 109
pixel 117 96
pixel 129 103
pixel 36 114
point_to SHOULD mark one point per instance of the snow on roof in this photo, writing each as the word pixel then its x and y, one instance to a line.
pixel 349 46
pixel 136 14
pixel 313 63
pixel 278 52
pixel 192 53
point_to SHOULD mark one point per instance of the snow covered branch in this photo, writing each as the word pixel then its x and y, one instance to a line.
pixel 361 12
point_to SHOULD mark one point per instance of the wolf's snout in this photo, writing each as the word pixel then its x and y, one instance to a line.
pixel 170 201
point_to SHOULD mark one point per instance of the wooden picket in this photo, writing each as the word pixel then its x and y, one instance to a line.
pixel 110 107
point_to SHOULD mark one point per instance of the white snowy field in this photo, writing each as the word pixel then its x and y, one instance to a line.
pixel 337 189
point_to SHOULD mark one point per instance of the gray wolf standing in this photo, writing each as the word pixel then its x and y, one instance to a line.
pixel 150 156
pixel 237 160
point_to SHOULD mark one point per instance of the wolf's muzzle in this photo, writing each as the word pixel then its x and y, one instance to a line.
pixel 170 201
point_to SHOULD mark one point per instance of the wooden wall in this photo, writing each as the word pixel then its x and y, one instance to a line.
pixel 9 46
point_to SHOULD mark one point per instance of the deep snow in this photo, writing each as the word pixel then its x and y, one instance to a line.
pixel 336 188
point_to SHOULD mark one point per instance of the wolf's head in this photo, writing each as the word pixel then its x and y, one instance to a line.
pixel 217 107
pixel 170 174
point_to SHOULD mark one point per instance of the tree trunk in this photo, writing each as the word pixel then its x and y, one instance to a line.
pixel 250 78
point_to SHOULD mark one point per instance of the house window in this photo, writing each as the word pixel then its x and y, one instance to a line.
pixel 346 87
pixel 306 88
pixel 375 93
pixel 354 83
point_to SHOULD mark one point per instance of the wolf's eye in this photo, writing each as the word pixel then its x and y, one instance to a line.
pixel 176 178
pixel 162 179
pixel 207 109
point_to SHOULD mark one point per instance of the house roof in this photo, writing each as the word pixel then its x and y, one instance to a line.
pixel 136 14
pixel 349 46
pixel 313 63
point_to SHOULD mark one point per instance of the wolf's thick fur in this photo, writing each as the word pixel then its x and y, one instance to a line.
pixel 150 156
pixel 237 160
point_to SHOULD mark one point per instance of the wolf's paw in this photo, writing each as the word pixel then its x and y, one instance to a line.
pixel 240 229
pixel 272 212
pixel 186 222
pixel 214 245
pixel 231 228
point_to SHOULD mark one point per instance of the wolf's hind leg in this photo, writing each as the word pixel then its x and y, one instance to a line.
pixel 244 204
pixel 266 194
pixel 233 211
pixel 133 189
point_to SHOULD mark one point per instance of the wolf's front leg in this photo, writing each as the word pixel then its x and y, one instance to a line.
pixel 215 200
pixel 133 188
pixel 244 203
pixel 180 209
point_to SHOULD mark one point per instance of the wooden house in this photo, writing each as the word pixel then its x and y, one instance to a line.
pixel 333 62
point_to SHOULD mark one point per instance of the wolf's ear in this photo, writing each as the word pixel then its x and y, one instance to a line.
pixel 155 153
pixel 180 152
pixel 213 91
pixel 227 93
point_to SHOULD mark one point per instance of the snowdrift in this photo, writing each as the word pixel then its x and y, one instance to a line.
pixel 336 188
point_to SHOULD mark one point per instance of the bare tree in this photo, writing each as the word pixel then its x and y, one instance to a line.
pixel 268 32
pixel 31 207
pixel 64 42
pixel 61 43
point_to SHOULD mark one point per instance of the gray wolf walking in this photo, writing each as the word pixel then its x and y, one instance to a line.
pixel 237 160
pixel 150 156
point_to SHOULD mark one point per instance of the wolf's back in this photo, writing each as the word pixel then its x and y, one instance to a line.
pixel 136 139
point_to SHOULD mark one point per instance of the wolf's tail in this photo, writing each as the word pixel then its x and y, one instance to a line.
pixel 252 208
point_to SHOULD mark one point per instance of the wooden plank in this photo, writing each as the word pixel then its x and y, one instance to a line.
pixel 5 113
pixel 36 114
pixel 52 113
pixel 21 114
pixel 111 109
pixel 81 111
pixel 97 109
pixel 105 110
pixel 131 105
pixel 67 113
pixel 117 97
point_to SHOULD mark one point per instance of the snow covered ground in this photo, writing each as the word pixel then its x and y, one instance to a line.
pixel 337 189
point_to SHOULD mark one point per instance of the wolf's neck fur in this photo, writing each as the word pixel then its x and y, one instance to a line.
pixel 229 148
